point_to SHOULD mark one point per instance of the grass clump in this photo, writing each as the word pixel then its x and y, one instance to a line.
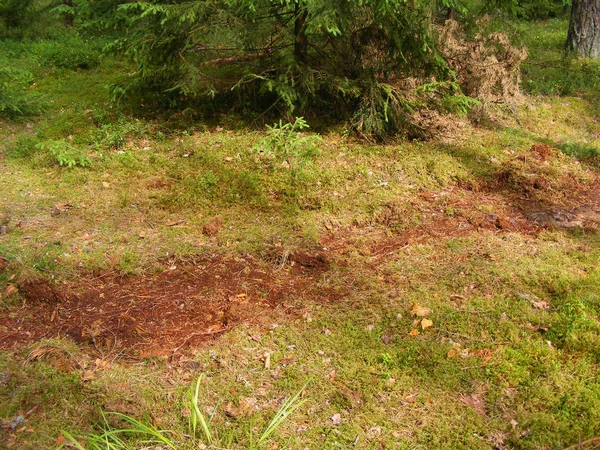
pixel 68 50
pixel 199 433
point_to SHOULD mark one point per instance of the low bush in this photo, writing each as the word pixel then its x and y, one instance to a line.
pixel 15 100
pixel 68 51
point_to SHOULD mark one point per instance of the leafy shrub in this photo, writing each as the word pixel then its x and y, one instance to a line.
pixel 65 154
pixel 15 100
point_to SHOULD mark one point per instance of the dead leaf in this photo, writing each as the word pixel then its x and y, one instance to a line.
pixel 267 361
pixel 88 375
pixel 243 410
pixel 419 311
pixel 475 402
pixel 142 234
pixel 105 184
pixel 535 301
pixel 542 304
pixel 336 419
pixel 175 222
pixel 454 351
pixel 485 354
pixel 63 206
pixel 213 226
pixel 10 290
pixel 426 323
pixel 228 159
pixel 414 332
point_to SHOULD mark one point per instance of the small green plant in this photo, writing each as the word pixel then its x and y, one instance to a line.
pixel 196 416
pixel 15 100
pixel 287 146
pixel 65 154
pixel 115 135
pixel 120 438
pixel 448 97
pixel 387 360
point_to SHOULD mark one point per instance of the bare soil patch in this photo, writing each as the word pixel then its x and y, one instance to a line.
pixel 158 314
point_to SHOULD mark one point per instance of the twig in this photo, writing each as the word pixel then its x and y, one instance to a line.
pixel 206 333
pixel 581 444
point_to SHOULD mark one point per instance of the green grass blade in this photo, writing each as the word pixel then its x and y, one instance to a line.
pixel 196 414
pixel 142 428
pixel 72 440
pixel 286 409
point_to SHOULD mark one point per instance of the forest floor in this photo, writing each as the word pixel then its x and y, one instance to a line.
pixel 423 295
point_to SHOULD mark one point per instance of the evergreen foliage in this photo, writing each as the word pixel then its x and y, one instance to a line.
pixel 371 63
pixel 15 12
pixel 339 59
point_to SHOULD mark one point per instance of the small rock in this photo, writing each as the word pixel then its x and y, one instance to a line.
pixel 336 419
pixel 17 422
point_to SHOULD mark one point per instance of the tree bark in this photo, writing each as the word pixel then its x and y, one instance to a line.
pixel 301 41
pixel 583 38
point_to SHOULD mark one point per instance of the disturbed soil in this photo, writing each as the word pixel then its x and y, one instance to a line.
pixel 140 316
pixel 193 301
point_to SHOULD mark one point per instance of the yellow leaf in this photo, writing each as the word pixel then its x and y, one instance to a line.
pixel 426 323
pixel 454 351
pixel 419 311
pixel 414 332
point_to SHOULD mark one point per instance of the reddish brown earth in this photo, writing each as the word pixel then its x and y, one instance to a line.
pixel 194 301
pixel 148 315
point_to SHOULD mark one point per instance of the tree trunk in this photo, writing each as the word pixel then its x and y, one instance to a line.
pixel 301 41
pixel 583 38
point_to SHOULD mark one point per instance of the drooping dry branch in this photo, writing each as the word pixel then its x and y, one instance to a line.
pixel 220 62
